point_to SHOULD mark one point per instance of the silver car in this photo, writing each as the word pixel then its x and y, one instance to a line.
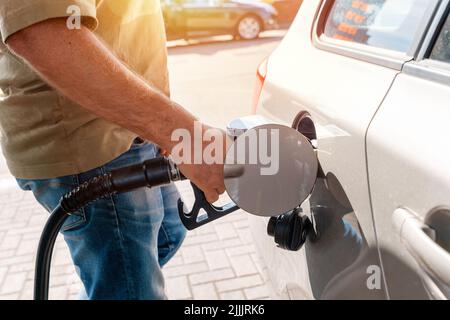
pixel 368 82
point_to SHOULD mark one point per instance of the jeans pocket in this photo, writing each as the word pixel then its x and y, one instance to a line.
pixel 138 142
pixel 74 221
pixel 48 193
pixel 77 219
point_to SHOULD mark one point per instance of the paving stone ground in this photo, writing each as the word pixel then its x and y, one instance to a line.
pixel 218 261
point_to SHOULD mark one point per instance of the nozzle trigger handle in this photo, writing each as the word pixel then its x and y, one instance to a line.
pixel 191 220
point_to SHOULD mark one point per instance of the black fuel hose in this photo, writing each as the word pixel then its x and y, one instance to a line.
pixel 151 173
pixel 45 250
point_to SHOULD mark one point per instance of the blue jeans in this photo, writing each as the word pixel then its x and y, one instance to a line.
pixel 120 243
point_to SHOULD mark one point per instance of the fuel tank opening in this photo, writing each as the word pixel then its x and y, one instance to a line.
pixel 304 124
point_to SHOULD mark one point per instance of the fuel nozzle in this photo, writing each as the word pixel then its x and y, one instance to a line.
pixel 151 173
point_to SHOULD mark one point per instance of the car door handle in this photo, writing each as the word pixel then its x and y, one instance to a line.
pixel 419 239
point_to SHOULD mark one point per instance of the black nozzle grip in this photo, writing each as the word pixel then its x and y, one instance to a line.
pixel 192 220
pixel 151 173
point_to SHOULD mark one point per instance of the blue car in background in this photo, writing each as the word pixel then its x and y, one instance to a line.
pixel 198 18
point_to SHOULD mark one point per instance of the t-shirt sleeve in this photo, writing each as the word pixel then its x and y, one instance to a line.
pixel 16 15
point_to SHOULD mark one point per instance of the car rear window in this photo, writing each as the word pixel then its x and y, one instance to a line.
pixel 441 50
pixel 387 24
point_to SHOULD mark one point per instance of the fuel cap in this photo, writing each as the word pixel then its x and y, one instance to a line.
pixel 270 170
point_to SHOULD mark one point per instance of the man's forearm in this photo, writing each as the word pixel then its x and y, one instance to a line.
pixel 76 63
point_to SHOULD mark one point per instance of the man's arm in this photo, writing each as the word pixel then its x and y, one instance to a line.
pixel 82 68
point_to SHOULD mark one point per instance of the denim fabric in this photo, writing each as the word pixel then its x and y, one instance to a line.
pixel 120 243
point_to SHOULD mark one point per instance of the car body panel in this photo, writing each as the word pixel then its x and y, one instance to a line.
pixel 342 93
pixel 409 167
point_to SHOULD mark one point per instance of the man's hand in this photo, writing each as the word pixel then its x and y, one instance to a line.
pixel 83 69
pixel 209 177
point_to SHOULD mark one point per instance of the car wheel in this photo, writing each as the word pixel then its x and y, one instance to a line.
pixel 248 28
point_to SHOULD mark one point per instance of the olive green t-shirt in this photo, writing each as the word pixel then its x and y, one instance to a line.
pixel 45 135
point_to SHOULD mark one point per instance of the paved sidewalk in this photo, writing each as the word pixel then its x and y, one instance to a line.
pixel 217 261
